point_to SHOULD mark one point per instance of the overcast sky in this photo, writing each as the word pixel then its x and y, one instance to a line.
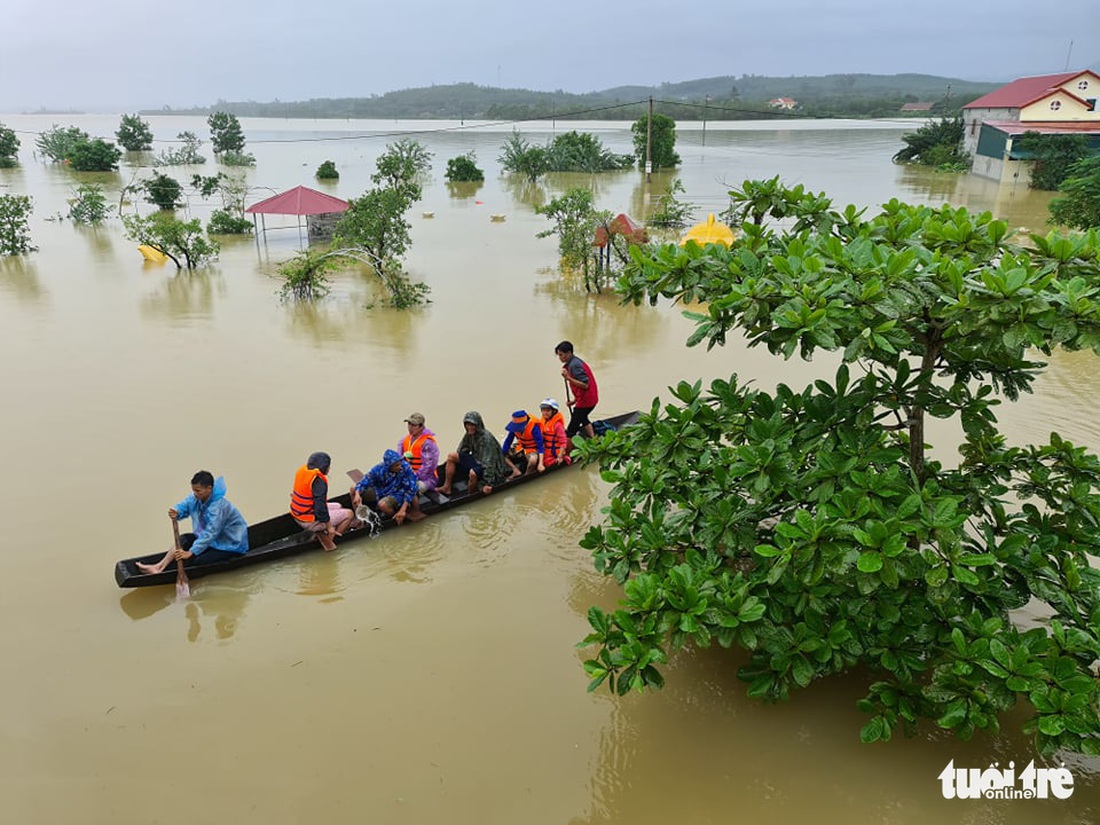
pixel 115 55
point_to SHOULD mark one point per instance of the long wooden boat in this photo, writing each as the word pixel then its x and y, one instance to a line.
pixel 281 536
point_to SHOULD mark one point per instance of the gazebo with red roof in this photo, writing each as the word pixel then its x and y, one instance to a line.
pixel 299 201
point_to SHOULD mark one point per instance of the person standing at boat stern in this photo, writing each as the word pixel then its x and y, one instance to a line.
pixel 220 531
pixel 479 455
pixel 310 506
pixel 579 378
pixel 392 483
pixel 421 450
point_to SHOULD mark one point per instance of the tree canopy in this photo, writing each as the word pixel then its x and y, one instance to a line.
pixel 810 526
pixel 134 134
pixel 663 141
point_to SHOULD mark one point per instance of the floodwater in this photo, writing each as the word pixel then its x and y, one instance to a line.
pixel 429 675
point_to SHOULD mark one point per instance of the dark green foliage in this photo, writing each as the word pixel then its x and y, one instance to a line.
pixel 663 141
pixel 464 168
pixel 520 157
pixel 182 241
pixel 860 95
pixel 206 185
pixel 225 133
pixel 1078 206
pixel 56 144
pixel 224 223
pixel 327 171
pixel 15 235
pixel 401 165
pixel 232 158
pixel 94 155
pixel 134 134
pixel 305 276
pixel 811 527
pixel 1052 156
pixel 583 152
pixel 376 223
pixel 162 191
pixel 186 155
pixel 9 148
pixel 88 204
pixel 937 143
pixel 670 211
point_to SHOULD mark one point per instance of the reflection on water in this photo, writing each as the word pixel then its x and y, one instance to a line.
pixel 212 612
pixel 465 189
pixel 182 294
pixel 525 192
pixel 19 278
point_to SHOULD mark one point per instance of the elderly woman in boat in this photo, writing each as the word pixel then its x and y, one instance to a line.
pixel 221 532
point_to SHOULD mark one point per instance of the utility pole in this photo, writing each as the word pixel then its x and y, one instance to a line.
pixel 706 102
pixel 649 144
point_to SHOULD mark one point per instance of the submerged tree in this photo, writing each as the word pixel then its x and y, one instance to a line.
pixel 186 155
pixel 15 234
pixel 1078 205
pixel 464 169
pixel 225 133
pixel 94 155
pixel 134 134
pixel 56 143
pixel 520 157
pixel 88 204
pixel 1052 156
pixel 663 141
pixel 811 527
pixel 9 148
pixel 937 143
pixel 182 241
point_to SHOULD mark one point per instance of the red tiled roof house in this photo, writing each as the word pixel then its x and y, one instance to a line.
pixel 1049 104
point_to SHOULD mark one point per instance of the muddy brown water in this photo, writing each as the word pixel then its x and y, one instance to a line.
pixel 430 675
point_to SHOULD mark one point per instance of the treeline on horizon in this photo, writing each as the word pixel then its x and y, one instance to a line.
pixel 716 98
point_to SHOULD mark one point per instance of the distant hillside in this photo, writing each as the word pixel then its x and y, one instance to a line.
pixel 857 95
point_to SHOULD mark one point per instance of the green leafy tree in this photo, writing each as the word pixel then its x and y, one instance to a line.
pixel 576 220
pixel 15 233
pixel 1052 156
pixel 237 158
pixel 671 212
pixel 520 157
pixel 187 155
pixel 583 152
pixel 812 528
pixel 376 223
pixel 88 204
pixel 327 171
pixel 134 134
pixel 9 148
pixel 163 191
pixel 464 169
pixel 1078 206
pixel 182 241
pixel 223 222
pixel 663 141
pixel 56 144
pixel 305 276
pixel 94 155
pixel 400 167
pixel 938 143
pixel 225 133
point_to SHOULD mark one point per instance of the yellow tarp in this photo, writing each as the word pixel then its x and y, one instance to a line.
pixel 150 254
pixel 709 232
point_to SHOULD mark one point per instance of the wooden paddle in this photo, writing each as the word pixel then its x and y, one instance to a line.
pixel 568 400
pixel 183 588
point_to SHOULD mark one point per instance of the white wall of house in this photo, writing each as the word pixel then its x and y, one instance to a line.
pixel 972 124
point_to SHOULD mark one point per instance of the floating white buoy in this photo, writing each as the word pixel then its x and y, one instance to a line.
pixel 497 216
pixel 428 214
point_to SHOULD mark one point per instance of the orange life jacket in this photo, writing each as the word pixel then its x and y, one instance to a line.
pixel 415 447
pixel 526 439
pixel 553 438
pixel 301 497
